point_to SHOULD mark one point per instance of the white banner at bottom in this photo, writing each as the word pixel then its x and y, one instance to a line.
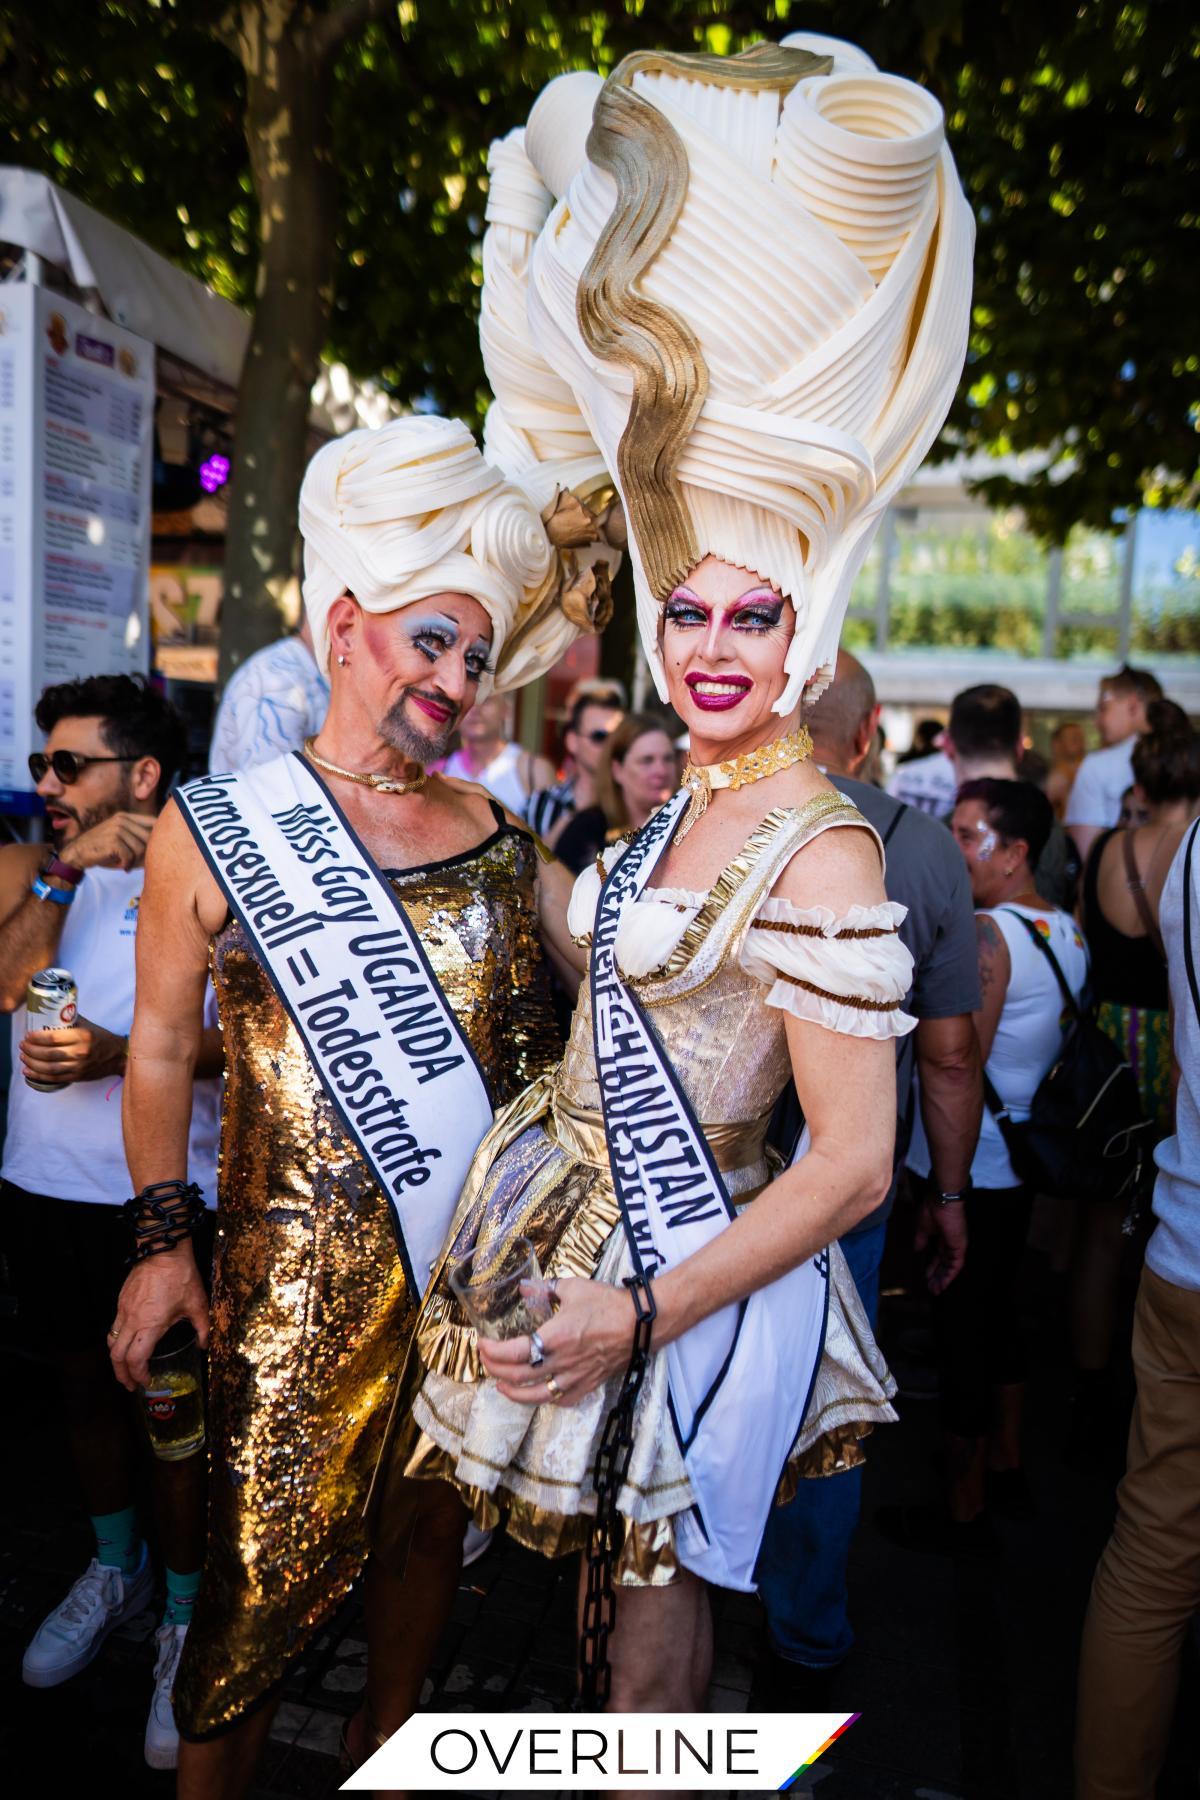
pixel 587 1751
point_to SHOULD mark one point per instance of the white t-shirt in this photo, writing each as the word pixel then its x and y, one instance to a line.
pixel 501 777
pixel 930 784
pixel 1028 1036
pixel 1100 782
pixel 68 1144
pixel 1174 1248
pixel 277 698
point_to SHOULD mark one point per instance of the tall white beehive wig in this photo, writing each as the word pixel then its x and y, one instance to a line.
pixel 738 287
pixel 411 509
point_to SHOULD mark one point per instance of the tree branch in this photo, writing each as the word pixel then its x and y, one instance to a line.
pixel 344 21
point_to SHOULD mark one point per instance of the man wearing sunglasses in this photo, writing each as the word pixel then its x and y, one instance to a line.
pixel 596 711
pixel 113 748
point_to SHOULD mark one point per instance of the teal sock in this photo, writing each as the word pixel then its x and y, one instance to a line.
pixel 181 1593
pixel 118 1541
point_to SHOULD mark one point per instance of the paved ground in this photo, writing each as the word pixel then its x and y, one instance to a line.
pixel 963 1674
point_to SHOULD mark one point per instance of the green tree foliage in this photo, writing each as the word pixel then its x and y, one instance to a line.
pixel 1073 126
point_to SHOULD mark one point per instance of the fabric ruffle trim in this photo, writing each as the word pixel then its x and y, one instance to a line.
pixel 847 973
pixel 581 908
pixel 840 1014
pixel 648 1557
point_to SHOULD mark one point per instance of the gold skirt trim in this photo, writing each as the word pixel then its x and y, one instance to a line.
pixel 647 1557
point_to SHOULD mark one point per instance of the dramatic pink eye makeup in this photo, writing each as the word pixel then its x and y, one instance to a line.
pixel 684 609
pixel 759 610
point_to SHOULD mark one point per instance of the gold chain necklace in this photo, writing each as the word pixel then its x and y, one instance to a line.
pixel 382 784
pixel 755 765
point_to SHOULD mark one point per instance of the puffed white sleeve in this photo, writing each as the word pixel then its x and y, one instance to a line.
pixel 585 895
pixel 848 974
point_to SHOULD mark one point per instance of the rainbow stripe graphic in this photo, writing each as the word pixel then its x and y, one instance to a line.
pixel 820 1751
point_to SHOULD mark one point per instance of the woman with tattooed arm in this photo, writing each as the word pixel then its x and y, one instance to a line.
pixel 1001 828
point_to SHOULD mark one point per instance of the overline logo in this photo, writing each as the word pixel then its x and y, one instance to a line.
pixel 596 1751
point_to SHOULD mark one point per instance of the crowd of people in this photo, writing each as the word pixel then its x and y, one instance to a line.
pixel 787 989
pixel 972 889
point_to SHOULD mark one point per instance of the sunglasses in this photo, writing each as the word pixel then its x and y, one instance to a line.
pixel 68 765
pixel 597 737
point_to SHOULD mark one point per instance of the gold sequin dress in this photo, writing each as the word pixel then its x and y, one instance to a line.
pixel 718 973
pixel 311 1314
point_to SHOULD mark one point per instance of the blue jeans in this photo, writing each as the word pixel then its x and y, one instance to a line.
pixel 802 1563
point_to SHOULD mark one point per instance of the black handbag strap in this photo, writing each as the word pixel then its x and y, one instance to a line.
pixel 1189 960
pixel 1072 1004
pixel 895 820
pixel 991 1098
pixel 1005 1123
pixel 994 1103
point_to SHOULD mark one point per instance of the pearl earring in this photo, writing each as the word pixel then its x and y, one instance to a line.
pixel 342 661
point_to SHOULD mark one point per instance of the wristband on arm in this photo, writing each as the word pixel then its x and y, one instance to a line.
pixel 941 1198
pixel 162 1215
pixel 40 888
pixel 58 870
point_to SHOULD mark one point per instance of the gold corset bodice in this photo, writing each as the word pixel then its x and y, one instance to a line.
pixel 727 1046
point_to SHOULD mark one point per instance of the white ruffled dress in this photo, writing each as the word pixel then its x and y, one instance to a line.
pixel 718 974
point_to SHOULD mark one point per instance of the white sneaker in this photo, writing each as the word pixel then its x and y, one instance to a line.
pixel 474 1544
pixel 68 1639
pixel 162 1739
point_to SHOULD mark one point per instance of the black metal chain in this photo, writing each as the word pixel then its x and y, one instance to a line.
pixel 162 1215
pixel 608 1478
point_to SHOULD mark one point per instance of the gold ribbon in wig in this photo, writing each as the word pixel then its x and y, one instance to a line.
pixel 636 144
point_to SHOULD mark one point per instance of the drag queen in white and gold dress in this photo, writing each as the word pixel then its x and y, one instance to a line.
pixel 744 295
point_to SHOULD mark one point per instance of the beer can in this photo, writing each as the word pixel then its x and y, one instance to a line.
pixel 51 1001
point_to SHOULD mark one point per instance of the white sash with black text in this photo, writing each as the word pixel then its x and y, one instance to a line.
pixel 346 962
pixel 740 1380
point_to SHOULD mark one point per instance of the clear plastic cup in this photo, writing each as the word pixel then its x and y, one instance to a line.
pixel 501 1289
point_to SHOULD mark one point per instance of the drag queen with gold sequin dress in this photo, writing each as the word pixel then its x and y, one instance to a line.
pixel 747 288
pixel 369 929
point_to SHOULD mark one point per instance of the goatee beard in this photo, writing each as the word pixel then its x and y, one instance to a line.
pixel 84 821
pixel 418 746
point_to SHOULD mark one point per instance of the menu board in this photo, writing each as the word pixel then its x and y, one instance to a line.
pixel 76 447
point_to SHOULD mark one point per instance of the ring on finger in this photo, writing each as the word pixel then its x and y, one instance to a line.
pixel 556 1392
pixel 537 1350
pixel 114 1334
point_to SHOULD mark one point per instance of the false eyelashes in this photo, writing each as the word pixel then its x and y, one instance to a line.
pixel 434 636
pixel 758 612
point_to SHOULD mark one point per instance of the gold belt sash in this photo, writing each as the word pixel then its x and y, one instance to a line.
pixel 735 1144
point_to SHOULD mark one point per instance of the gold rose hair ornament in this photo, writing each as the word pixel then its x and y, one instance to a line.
pixel 410 509
pixel 737 289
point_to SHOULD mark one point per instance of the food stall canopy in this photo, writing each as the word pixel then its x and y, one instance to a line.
pixel 137 287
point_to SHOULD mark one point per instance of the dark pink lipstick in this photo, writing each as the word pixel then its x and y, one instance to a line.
pixel 718 693
pixel 433 709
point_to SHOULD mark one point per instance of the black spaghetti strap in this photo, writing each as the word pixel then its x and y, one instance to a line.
pixel 498 812
pixel 1189 960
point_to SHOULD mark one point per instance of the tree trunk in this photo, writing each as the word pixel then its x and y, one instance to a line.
pixel 618 643
pixel 289 133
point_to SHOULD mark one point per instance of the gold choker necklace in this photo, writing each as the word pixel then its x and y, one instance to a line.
pixel 755 765
pixel 382 784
